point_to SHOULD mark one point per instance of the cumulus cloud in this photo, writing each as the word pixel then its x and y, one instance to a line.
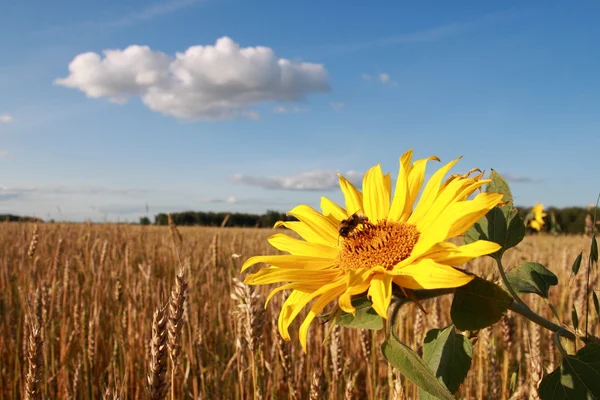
pixel 311 180
pixel 520 179
pixel 6 118
pixel 5 154
pixel 337 105
pixel 211 82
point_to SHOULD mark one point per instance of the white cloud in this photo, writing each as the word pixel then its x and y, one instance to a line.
pixel 289 110
pixel 5 154
pixel 384 78
pixel 119 75
pixel 212 82
pixel 311 180
pixel 337 105
pixel 6 118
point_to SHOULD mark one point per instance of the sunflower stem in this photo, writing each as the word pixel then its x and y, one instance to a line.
pixel 538 319
pixel 507 284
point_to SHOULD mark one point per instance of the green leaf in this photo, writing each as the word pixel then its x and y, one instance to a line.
pixel 449 355
pixel 578 377
pixel 405 360
pixel 500 185
pixel 501 225
pixel 365 318
pixel 594 249
pixel 478 304
pixel 596 303
pixel 532 277
pixel 574 317
pixel 577 264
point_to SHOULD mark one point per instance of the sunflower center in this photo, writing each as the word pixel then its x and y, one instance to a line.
pixel 382 244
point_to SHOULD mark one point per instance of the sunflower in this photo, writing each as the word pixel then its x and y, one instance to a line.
pixel 538 217
pixel 401 243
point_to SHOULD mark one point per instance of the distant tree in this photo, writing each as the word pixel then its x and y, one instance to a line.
pixel 145 221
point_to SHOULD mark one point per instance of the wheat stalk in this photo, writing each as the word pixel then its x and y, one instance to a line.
pixel 35 359
pixel 157 382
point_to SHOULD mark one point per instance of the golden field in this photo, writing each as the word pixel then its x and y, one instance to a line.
pixel 78 302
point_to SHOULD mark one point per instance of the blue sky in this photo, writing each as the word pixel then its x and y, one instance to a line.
pixel 111 106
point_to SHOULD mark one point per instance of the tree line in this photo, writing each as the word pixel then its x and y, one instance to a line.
pixel 203 218
pixel 569 220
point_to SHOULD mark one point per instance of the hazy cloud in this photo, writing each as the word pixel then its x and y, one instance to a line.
pixel 429 35
pixel 289 110
pixel 337 105
pixel 150 12
pixel 211 82
pixel 134 17
pixel 383 77
pixel 5 154
pixel 6 118
pixel 312 180
pixel 9 196
pixel 218 200
pixel 520 179
pixel 60 190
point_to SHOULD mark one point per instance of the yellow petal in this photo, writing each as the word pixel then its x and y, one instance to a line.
pixel 290 261
pixel 305 287
pixel 387 184
pixel 299 247
pixel 277 275
pixel 315 310
pixel 452 193
pixel 321 225
pixel 415 182
pixel 430 192
pixel 461 216
pixel 453 255
pixel 289 310
pixel 380 293
pixel 279 289
pixel 330 208
pixel 401 191
pixel 305 231
pixel 354 198
pixel 428 274
pixel 376 197
pixel 357 282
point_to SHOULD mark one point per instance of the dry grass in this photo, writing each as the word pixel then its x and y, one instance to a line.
pixel 79 319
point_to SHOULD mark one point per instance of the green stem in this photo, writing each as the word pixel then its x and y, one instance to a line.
pixel 552 309
pixel 538 319
pixel 507 284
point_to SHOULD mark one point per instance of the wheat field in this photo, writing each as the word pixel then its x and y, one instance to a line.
pixel 94 311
